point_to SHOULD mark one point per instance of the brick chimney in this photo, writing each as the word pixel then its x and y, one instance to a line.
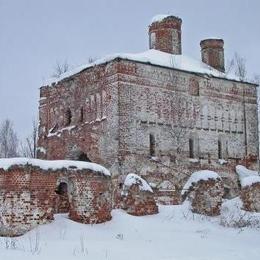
pixel 212 53
pixel 165 34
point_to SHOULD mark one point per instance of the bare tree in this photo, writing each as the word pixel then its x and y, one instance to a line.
pixel 237 65
pixel 29 146
pixel 183 118
pixel 60 68
pixel 8 140
pixel 91 59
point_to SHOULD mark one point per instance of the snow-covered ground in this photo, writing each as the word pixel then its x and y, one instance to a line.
pixel 174 234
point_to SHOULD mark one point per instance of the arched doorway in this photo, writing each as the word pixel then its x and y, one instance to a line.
pixel 62 198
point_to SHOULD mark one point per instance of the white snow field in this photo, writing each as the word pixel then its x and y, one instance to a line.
pixel 173 234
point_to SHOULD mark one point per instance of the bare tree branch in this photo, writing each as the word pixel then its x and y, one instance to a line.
pixel 29 146
pixel 60 68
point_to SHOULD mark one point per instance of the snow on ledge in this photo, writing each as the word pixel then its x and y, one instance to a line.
pixel 53 165
pixel 247 177
pixel 132 179
pixel 250 180
pixel 198 176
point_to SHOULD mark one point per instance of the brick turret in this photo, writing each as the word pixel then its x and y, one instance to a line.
pixel 212 53
pixel 165 34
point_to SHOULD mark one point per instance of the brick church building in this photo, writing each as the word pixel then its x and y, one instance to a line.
pixel 159 114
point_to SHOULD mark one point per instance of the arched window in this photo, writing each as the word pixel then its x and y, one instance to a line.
pixel 152 145
pixel 83 157
pixel 68 117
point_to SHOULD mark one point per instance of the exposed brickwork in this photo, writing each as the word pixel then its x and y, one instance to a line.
pixel 165 35
pixel 125 102
pixel 28 197
pixel 212 53
pixel 137 202
pixel 250 196
pixel 91 200
pixel 206 197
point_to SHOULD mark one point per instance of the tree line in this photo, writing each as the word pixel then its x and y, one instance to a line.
pixel 11 146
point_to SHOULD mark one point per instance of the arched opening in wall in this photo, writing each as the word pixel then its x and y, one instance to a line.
pixel 67 117
pixel 152 144
pixel 62 198
pixel 191 148
pixel 83 157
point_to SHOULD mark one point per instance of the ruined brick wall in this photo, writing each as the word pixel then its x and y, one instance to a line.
pixel 91 198
pixel 250 196
pixel 222 112
pixel 137 202
pixel 205 197
pixel 28 197
pixel 91 98
pixel 142 102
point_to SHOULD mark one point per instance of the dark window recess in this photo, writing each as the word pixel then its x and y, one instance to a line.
pixel 83 157
pixel 68 117
pixel 219 149
pixel 81 116
pixel 191 147
pixel 152 145
pixel 62 189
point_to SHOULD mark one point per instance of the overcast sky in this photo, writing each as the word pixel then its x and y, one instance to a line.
pixel 35 34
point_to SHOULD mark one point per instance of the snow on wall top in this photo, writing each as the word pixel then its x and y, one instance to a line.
pixel 53 165
pixel 132 179
pixel 198 176
pixel 154 57
pixel 247 177
pixel 159 17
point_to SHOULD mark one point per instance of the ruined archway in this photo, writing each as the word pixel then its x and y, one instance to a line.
pixel 62 198
pixel 83 157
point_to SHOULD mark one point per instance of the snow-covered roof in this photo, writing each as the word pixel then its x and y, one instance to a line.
pixel 247 177
pixel 132 179
pixel 53 165
pixel 154 57
pixel 198 176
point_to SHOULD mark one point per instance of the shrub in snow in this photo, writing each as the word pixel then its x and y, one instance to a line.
pixel 137 196
pixel 204 189
pixel 232 215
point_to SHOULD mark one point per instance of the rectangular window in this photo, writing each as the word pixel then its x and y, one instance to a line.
pixel 152 145
pixel 191 147
pixel 220 150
